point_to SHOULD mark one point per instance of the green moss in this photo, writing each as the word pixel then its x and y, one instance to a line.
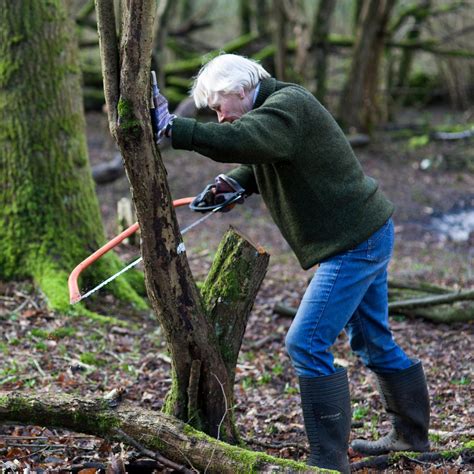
pixel 53 282
pixel 107 422
pixel 40 333
pixel 127 120
pixel 91 359
pixel 171 398
pixel 455 453
pixel 393 458
pixel 41 346
pixel 226 285
pixel 249 461
pixel 63 332
pixel 157 444
pixel 7 70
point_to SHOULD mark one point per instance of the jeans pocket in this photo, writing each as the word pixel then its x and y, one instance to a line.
pixel 380 243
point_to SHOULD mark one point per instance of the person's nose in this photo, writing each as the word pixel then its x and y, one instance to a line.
pixel 220 117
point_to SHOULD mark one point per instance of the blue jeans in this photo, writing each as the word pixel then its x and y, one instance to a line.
pixel 348 291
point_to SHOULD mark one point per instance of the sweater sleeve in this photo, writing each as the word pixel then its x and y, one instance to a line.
pixel 263 135
pixel 245 176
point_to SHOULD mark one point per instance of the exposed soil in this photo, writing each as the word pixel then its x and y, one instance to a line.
pixel 43 351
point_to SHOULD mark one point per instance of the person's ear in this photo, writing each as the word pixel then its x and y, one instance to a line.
pixel 241 93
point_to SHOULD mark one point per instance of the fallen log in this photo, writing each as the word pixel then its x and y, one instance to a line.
pixel 108 171
pixel 441 308
pixel 440 314
pixel 386 461
pixel 156 431
pixel 424 302
pixel 452 136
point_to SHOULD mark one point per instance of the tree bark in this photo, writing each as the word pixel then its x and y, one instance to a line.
pixel 49 214
pixel 111 170
pixel 359 106
pixel 170 285
pixel 202 390
pixel 245 16
pixel 153 430
pixel 261 14
pixel 230 290
pixel 320 43
pixel 413 35
pixel 279 38
pixel 165 11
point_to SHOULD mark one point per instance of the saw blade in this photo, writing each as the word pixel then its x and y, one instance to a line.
pixel 180 249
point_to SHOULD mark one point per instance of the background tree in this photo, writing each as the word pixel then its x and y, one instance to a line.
pixel 49 215
pixel 321 29
pixel 360 101
pixel 279 39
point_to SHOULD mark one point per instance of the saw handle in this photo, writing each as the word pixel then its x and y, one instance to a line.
pixel 74 292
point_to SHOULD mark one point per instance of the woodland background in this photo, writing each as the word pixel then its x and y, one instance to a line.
pixel 406 102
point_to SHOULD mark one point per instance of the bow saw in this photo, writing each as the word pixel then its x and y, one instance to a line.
pixel 74 293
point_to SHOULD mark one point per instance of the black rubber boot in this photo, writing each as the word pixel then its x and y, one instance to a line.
pixel 405 398
pixel 327 417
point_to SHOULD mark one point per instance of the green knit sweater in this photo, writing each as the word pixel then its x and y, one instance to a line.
pixel 295 155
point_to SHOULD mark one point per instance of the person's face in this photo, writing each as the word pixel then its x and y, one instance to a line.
pixel 231 106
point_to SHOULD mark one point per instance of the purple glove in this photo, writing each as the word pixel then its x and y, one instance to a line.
pixel 164 118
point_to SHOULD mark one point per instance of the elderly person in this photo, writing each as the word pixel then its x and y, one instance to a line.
pixel 292 152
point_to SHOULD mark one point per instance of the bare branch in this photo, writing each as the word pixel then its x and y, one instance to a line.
pixel 432 300
pixel 109 57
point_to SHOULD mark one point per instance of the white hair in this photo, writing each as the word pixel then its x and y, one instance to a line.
pixel 225 74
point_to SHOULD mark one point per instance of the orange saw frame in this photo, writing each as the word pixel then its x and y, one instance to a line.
pixel 74 292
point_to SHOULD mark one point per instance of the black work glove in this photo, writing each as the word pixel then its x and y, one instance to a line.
pixel 224 188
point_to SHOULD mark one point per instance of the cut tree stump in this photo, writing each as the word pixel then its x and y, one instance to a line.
pixel 153 430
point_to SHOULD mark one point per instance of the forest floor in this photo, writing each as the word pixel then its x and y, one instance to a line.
pixel 43 351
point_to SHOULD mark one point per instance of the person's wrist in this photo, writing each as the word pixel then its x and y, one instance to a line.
pixel 169 126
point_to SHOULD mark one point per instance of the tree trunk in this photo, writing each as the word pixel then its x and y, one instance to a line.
pixel 261 14
pixel 359 107
pixel 296 16
pixel 420 15
pixel 230 290
pixel 321 29
pixel 202 389
pixel 245 14
pixel 49 214
pixel 279 38
pixel 153 430
pixel 165 10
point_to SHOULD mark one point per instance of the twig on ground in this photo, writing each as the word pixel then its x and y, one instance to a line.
pixel 152 454
pixel 40 370
pixel 264 341
pixel 280 445
pixel 384 461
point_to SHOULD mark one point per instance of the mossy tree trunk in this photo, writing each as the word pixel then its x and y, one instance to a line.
pixel 49 215
pixel 155 431
pixel 202 388
pixel 360 101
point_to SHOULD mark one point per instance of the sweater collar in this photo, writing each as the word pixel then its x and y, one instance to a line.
pixel 267 87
